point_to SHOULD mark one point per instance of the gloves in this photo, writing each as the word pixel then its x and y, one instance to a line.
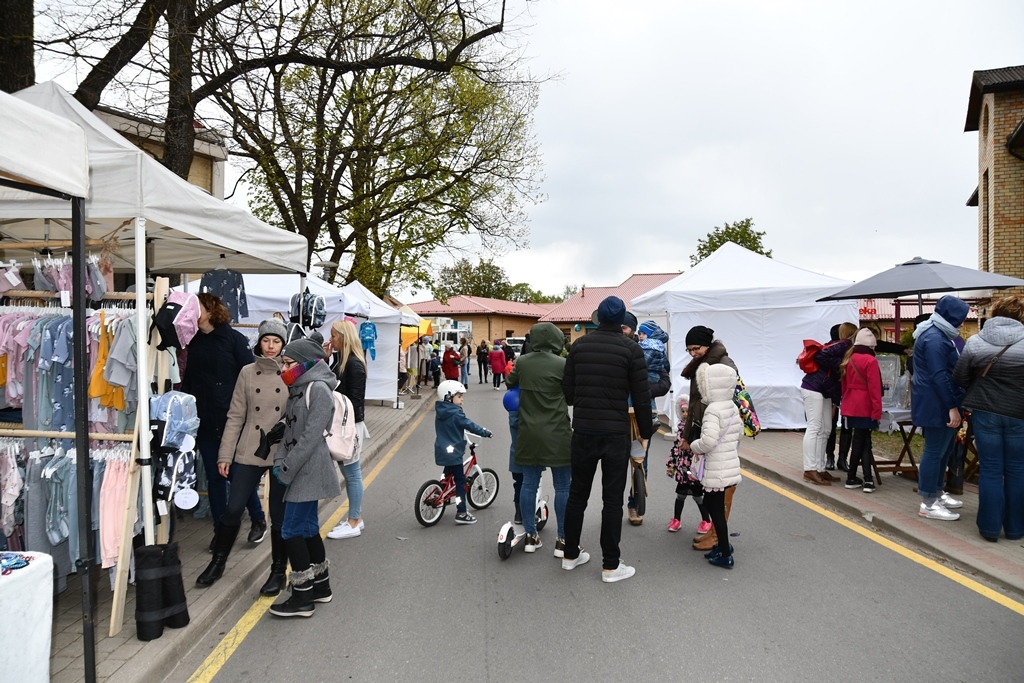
pixel 276 471
pixel 488 435
pixel 269 439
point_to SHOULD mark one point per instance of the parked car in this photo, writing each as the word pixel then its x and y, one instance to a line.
pixel 516 344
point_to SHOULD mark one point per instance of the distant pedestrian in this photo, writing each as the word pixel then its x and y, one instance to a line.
pixel 820 391
pixel 450 362
pixel 992 370
pixel 413 356
pixel 935 403
pixel 603 370
pixel 434 368
pixel 498 360
pixel 482 363
pixel 465 358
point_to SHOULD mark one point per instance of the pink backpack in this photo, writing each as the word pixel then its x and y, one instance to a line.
pixel 177 321
pixel 341 435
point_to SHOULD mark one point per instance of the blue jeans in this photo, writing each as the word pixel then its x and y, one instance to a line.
pixel 931 471
pixel 300 520
pixel 1000 442
pixel 353 488
pixel 217 486
pixel 528 497
pixel 464 372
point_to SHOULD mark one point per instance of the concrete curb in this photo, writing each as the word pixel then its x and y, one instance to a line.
pixel 158 657
pixel 963 560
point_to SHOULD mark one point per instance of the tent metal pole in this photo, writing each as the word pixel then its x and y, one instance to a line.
pixel 142 376
pixel 86 538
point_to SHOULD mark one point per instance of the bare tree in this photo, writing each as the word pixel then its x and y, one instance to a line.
pixel 180 53
pixel 17 64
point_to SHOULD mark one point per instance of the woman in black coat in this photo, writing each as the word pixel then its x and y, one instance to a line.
pixel 215 357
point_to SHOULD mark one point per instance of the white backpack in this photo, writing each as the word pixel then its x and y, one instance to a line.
pixel 341 435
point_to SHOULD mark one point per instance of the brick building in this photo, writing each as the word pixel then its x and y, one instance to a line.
pixel 996 111
pixel 489 318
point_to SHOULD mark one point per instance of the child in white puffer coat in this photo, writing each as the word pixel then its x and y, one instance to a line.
pixel 718 447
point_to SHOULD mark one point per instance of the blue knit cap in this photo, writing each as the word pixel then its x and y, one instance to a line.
pixel 611 310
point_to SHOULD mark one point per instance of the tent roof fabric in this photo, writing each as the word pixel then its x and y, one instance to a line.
pixel 923 276
pixel 738 279
pixel 478 305
pixel 40 148
pixel 189 230
pixel 581 305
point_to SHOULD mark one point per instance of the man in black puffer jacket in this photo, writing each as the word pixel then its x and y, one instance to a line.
pixel 602 371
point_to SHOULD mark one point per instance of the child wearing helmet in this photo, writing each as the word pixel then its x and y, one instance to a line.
pixel 450 425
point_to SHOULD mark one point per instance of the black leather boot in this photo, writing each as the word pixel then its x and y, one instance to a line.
pixel 301 603
pixel 223 541
pixel 321 583
pixel 278 563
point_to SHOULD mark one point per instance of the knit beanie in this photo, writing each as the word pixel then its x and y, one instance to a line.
pixel 865 337
pixel 629 320
pixel 612 310
pixel 303 350
pixel 647 327
pixel 700 336
pixel 274 327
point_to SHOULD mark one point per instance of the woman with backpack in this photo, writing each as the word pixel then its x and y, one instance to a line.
pixel 349 367
pixel 257 404
pixel 304 466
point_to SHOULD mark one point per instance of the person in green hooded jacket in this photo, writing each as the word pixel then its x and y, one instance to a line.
pixel 545 433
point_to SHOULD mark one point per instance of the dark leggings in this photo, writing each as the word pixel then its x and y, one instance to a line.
pixel 684 490
pixel 497 379
pixel 244 481
pixel 460 484
pixel 482 367
pixel 715 503
pixel 860 454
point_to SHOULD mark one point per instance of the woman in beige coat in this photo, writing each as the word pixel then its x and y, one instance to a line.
pixel 257 404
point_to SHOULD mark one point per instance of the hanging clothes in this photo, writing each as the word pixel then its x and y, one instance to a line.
pixel 229 285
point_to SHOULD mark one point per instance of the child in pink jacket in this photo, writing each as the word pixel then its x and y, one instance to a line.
pixel 862 405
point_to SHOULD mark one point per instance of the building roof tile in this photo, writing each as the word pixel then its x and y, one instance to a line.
pixel 581 305
pixel 478 305
pixel 992 80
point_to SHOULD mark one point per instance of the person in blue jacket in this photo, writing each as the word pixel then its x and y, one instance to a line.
pixel 450 425
pixel 935 403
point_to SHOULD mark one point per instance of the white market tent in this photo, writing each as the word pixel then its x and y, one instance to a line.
pixel 40 148
pixel 762 310
pixel 269 294
pixel 187 230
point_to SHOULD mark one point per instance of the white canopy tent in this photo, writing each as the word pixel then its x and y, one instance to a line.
pixel 40 148
pixel 762 310
pixel 186 229
pixel 270 294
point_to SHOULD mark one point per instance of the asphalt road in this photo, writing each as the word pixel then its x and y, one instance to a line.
pixel 808 600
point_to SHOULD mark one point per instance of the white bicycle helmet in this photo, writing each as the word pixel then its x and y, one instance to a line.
pixel 448 388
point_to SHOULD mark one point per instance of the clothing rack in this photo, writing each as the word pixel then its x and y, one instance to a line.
pixel 48 244
pixel 93 436
pixel 41 294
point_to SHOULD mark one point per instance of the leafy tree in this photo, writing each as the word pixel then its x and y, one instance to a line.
pixel 178 54
pixel 741 233
pixel 411 161
pixel 485 279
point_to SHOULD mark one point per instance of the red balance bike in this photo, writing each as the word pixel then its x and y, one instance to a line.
pixel 434 496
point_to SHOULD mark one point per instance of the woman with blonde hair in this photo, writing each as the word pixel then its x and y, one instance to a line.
pixel 349 366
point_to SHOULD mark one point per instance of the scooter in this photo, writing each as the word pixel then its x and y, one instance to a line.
pixel 512 534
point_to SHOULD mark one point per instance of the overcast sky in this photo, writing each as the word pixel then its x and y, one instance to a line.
pixel 836 126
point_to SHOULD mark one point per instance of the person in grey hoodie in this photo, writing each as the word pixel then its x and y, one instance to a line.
pixel 303 464
pixel 991 368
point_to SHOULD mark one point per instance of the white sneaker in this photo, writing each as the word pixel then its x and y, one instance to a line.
pixel 949 502
pixel 937 511
pixel 569 565
pixel 345 530
pixel 620 573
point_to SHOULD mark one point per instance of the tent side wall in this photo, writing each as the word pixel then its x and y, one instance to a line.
pixel 764 344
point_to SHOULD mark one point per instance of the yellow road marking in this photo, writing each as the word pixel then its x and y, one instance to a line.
pixel 950 574
pixel 213 663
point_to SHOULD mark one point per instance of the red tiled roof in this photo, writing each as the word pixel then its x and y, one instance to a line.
pixel 581 305
pixel 478 305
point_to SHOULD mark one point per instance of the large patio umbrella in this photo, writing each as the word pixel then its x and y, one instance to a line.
pixel 921 276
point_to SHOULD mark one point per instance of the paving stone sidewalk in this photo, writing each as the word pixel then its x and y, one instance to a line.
pixel 124 658
pixel 892 509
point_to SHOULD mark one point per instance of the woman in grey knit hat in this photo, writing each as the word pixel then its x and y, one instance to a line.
pixel 257 404
pixel 303 464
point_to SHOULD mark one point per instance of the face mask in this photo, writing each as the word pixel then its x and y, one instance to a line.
pixel 296 371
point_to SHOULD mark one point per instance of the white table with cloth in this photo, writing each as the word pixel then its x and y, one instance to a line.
pixel 26 619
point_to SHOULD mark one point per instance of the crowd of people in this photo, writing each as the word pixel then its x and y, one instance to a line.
pixel 268 408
